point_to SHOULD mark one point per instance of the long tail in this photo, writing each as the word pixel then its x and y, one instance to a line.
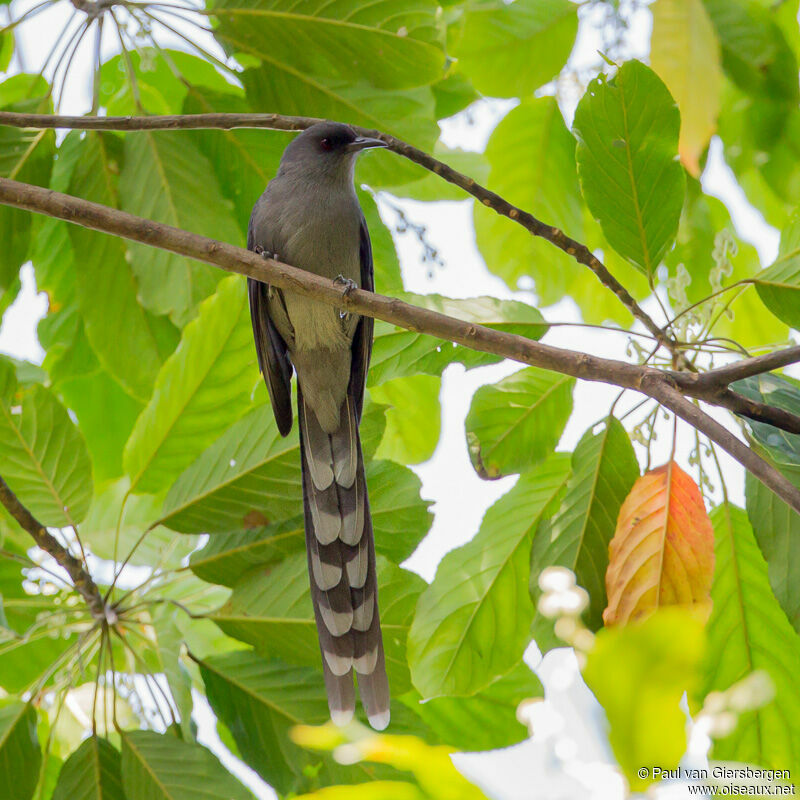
pixel 341 565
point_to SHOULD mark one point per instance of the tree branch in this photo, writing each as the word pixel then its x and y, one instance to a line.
pixel 81 579
pixel 655 383
pixel 552 234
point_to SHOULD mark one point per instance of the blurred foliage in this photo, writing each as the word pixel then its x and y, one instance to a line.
pixel 147 427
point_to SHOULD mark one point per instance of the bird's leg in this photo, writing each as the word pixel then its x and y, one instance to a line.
pixel 349 286
pixel 259 250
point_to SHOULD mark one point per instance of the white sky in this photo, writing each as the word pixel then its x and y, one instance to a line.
pixel 569 757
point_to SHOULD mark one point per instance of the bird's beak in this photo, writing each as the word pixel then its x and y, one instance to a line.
pixel 364 143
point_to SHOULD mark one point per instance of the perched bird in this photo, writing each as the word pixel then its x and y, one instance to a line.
pixel 309 216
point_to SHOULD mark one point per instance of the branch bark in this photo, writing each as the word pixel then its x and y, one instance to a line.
pixel 658 384
pixel 81 579
pixel 219 121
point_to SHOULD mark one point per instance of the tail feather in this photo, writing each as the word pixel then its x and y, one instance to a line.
pixel 341 565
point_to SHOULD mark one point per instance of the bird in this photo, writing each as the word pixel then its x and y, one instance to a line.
pixel 309 216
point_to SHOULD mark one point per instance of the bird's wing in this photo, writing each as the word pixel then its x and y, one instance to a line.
pixel 362 340
pixel 273 358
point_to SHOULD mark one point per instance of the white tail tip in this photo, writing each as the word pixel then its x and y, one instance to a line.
pixel 380 721
pixel 341 718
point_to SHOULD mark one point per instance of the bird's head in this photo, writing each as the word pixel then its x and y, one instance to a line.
pixel 327 150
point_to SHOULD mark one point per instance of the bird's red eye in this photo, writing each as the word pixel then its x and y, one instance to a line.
pixel 326 144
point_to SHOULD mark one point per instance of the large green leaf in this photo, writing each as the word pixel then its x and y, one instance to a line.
pixel 20 753
pixel 107 516
pixel 398 352
pixel 413 417
pixel 627 131
pixel 106 287
pixel 163 767
pixel 517 421
pixel 25 155
pixel 166 178
pixel 260 701
pixel 44 458
pixel 782 392
pixel 227 556
pixel 486 720
pixel 755 53
pixel 496 46
pixel 472 623
pixel 639 674
pixel 604 468
pixel 777 530
pixel 779 284
pixel 249 476
pixel 271 609
pixel 203 387
pixel 92 772
pixel 391 43
pixel 105 412
pixel 532 164
pixel 748 631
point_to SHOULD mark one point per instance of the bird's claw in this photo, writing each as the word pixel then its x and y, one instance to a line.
pixel 259 250
pixel 349 285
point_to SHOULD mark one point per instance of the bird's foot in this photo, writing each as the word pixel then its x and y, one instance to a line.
pixel 349 285
pixel 260 251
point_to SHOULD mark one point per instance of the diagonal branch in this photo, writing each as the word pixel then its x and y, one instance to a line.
pixel 655 383
pixel 580 252
pixel 81 579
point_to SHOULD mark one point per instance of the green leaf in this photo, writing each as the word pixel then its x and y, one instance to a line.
pixel 778 285
pixel 627 131
pixel 105 412
pixel 26 156
pixel 20 753
pixel 755 53
pixel 777 530
pixel 413 418
pixel 249 476
pixel 44 455
pixel 398 352
pixel 390 44
pixel 782 392
pixel 132 516
pixel 531 157
pixel 203 387
pixel 106 287
pixel 167 179
pixel 409 114
pixel 497 42
pixel 748 631
pixel 260 701
pixel 271 610
pixel 162 767
pixel 92 772
pixel 639 674
pixel 472 623
pixel 486 720
pixel 604 469
pixel 516 422
pixel 227 556
pixel 244 161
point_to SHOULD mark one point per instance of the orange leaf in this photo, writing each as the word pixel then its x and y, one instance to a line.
pixel 662 553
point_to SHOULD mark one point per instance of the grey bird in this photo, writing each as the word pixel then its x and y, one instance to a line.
pixel 309 216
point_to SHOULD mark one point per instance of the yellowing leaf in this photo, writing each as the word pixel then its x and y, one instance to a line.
pixel 686 54
pixel 663 550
